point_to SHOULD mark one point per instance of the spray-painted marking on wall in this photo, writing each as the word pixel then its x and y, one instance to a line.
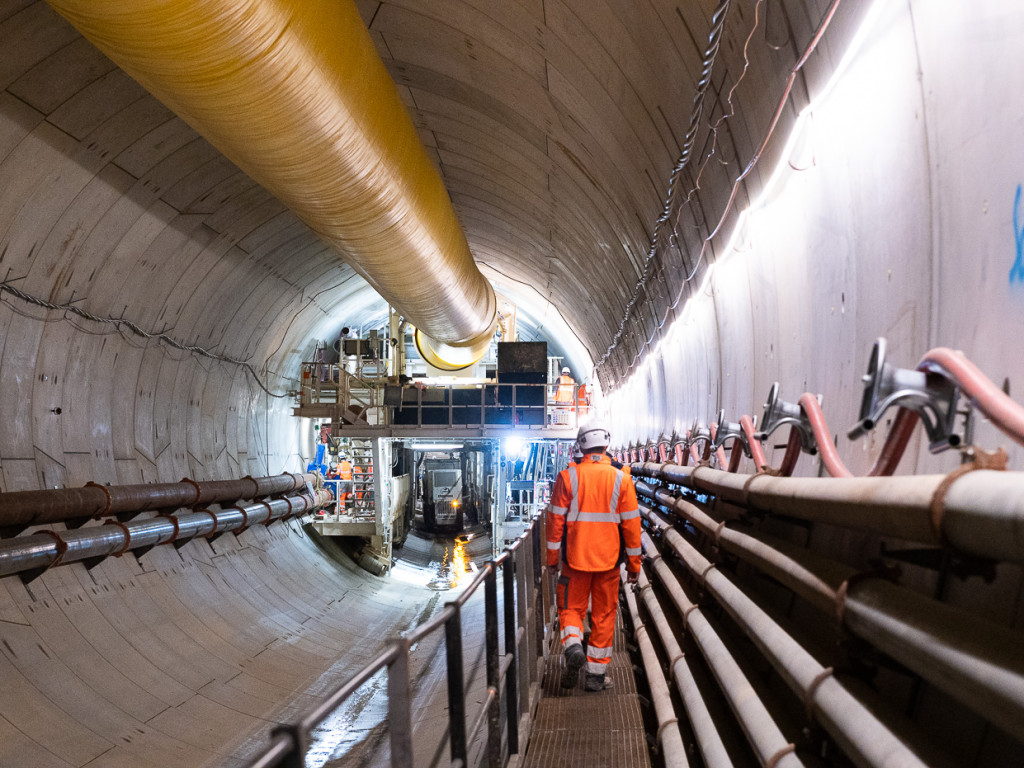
pixel 1017 270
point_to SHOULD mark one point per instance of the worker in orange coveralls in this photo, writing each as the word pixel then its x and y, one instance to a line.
pixel 592 502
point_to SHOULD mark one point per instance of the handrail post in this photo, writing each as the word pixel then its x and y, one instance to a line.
pixel 493 666
pixel 400 705
pixel 512 676
pixel 539 603
pixel 456 685
pixel 522 617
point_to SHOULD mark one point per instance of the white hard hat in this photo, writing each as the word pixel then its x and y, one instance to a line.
pixel 593 435
pixel 565 369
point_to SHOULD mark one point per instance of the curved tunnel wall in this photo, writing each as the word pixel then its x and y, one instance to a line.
pixel 891 214
pixel 555 129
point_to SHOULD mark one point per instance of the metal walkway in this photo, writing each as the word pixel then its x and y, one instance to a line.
pixel 575 729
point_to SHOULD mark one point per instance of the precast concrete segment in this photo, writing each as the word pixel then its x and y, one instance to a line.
pixel 25 508
pixel 864 738
pixel 189 657
pixel 975 661
pixel 295 94
pixel 980 513
pixel 49 548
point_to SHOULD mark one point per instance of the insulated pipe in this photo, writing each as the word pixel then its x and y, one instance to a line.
pixel 863 737
pixel 294 93
pixel 756 452
pixel 45 550
pixel 1007 415
pixel 711 747
pixel 767 741
pixel 25 508
pixel 973 660
pixel 671 741
pixel 892 450
pixel 792 454
pixel 980 513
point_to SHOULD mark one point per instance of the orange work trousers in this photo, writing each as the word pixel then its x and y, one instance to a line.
pixel 599 589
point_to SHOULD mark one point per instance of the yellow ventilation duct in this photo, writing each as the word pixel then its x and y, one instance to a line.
pixel 294 93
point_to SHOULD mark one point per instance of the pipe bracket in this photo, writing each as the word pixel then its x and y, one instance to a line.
pixel 819 678
pixel 774 759
pixel 127 537
pixel 106 492
pixel 978 459
pixel 194 484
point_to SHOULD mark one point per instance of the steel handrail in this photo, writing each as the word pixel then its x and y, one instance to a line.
pixel 289 742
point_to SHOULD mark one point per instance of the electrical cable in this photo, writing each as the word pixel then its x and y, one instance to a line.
pixel 819 33
pixel 120 325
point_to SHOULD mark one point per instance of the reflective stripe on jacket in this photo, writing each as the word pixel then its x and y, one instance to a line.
pixel 345 470
pixel 591 502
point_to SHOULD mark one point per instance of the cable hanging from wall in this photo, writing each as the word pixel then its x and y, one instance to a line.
pixel 122 325
pixel 708 63
pixel 819 33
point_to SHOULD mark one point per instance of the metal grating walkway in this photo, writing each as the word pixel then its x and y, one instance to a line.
pixel 574 729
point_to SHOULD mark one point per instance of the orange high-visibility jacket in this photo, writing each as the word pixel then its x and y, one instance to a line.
pixel 566 389
pixel 345 470
pixel 591 502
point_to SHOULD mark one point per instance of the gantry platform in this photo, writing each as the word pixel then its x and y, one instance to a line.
pixel 576 729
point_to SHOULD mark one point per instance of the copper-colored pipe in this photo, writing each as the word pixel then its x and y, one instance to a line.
pixel 888 459
pixel 1007 415
pixel 294 93
pixel 20 509
pixel 756 452
pixel 895 443
pixel 735 456
pixel 719 451
pixel 792 454
pixel 826 448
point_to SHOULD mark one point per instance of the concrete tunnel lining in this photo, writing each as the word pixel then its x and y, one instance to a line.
pixel 555 125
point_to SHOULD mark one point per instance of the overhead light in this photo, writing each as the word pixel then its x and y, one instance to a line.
pixel 514 446
pixel 437 446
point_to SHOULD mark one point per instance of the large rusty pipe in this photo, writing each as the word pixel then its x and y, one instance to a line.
pixel 971 659
pixel 295 94
pixel 44 550
pixel 20 509
pixel 980 513
pixel 861 735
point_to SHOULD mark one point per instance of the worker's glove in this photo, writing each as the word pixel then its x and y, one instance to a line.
pixel 632 578
pixel 555 569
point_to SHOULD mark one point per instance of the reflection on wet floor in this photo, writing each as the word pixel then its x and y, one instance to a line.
pixel 453 566
pixel 356 731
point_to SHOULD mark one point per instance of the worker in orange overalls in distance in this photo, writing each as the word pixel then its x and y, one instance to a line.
pixel 566 389
pixel 591 503
pixel 345 473
pixel 583 400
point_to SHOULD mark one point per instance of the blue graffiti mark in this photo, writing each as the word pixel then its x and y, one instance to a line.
pixel 1017 270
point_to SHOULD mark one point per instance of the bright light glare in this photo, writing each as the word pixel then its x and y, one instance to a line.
pixel 514 446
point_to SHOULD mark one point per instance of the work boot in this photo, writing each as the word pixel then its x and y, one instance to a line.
pixel 575 658
pixel 598 683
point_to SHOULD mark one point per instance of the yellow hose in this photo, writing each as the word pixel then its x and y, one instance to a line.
pixel 294 93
